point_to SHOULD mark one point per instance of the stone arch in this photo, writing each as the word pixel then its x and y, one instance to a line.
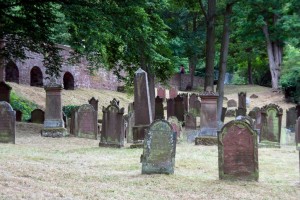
pixel 68 81
pixel 11 72
pixel 36 77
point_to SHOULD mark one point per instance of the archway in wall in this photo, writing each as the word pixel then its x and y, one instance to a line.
pixel 68 81
pixel 11 72
pixel 36 77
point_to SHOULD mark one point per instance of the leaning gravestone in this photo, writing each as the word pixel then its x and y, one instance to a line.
pixel 7 123
pixel 291 116
pixel 37 116
pixel 112 134
pixel 159 149
pixel 4 92
pixel 238 152
pixel 159 108
pixel 179 108
pixel 271 117
pixel 86 122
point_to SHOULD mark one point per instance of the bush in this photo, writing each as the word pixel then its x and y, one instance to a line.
pixel 25 106
pixel 238 80
pixel 68 109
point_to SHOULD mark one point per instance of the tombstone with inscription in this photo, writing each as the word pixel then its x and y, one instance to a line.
pixel 179 108
pixel 18 115
pixel 161 92
pixel 7 123
pixel 238 152
pixel 170 108
pixel 37 116
pixel 53 123
pixel 291 116
pixel 86 122
pixel 159 149
pixel 4 92
pixel 94 103
pixel 173 92
pixel 159 108
pixel 112 126
pixel 271 117
pixel 242 99
pixel 142 107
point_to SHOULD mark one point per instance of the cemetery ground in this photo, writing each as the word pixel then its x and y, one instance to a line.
pixel 75 168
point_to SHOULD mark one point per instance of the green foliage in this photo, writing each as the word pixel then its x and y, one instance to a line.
pixel 68 109
pixel 25 106
pixel 238 80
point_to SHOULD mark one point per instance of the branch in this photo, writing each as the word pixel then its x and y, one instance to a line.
pixel 203 10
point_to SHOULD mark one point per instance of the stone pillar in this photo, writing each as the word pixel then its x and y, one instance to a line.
pixel 53 124
pixel 142 107
pixel 2 61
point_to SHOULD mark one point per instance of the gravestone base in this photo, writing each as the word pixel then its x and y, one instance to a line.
pixel 206 140
pixel 87 135
pixel 138 133
pixel 110 145
pixel 268 144
pixel 54 132
pixel 208 132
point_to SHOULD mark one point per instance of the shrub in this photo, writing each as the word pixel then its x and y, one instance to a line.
pixel 68 109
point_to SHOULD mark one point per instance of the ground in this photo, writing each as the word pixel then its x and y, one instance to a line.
pixel 74 168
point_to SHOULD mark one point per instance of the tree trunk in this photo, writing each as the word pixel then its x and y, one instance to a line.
pixel 275 58
pixel 210 45
pixel 223 59
pixel 250 77
pixel 192 66
pixel 2 60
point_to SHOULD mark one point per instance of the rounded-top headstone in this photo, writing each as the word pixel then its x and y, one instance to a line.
pixel 5 106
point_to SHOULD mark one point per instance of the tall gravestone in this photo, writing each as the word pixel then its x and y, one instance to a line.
pixel 242 100
pixel 238 152
pixel 193 98
pixel 86 125
pixel 112 126
pixel 179 108
pixel 159 108
pixel 4 92
pixel 129 134
pixel 173 92
pixel 142 107
pixel 37 116
pixel 271 117
pixel 159 149
pixel 94 103
pixel 7 123
pixel 185 101
pixel 170 108
pixel 161 92
pixel 53 123
pixel 291 117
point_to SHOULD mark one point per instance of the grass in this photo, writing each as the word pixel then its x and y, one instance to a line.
pixel 75 168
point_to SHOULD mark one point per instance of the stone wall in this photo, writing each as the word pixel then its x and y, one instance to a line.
pixel 183 81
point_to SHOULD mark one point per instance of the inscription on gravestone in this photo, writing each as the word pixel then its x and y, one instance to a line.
pixel 86 122
pixel 159 149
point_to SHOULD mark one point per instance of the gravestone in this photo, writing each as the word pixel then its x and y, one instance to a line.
pixel 242 100
pixel 170 108
pixel 65 119
pixel 255 114
pixel 94 103
pixel 291 116
pixel 159 108
pixel 192 100
pixel 53 123
pixel 86 125
pixel 271 117
pixel 231 103
pixel 179 108
pixel 246 119
pixel 7 123
pixel 297 135
pixel 159 149
pixel 176 125
pixel 185 101
pixel 18 115
pixel 37 116
pixel 161 92
pixel 73 120
pixel 173 92
pixel 253 96
pixel 142 107
pixel 223 114
pixel 241 112
pixel 190 121
pixel 230 113
pixel 130 124
pixel 112 126
pixel 4 92
pixel 238 152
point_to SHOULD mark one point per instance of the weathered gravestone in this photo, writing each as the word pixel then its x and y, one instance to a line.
pixel 255 114
pixel 161 92
pixel 176 125
pixel 173 92
pixel 231 103
pixel 159 108
pixel 130 123
pixel 185 101
pixel 94 103
pixel 159 149
pixel 193 98
pixel 86 122
pixel 7 123
pixel 190 121
pixel 53 123
pixel 170 108
pixel 179 108
pixel 18 115
pixel 142 107
pixel 253 96
pixel 4 92
pixel 291 116
pixel 112 126
pixel 238 152
pixel 37 116
pixel 240 112
pixel 73 120
pixel 271 117
pixel 242 99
